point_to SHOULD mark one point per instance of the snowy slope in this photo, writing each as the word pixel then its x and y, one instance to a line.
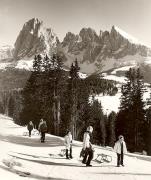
pixel 26 158
pixel 112 103
pixel 25 64
pixel 127 36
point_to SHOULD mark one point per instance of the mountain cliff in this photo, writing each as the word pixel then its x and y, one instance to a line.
pixel 104 51
pixel 94 52
pixel 34 38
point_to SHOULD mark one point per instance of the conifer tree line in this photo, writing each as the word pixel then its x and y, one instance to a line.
pixel 133 120
pixel 67 101
pixel 62 98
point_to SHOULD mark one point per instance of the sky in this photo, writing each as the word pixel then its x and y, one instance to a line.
pixel 132 16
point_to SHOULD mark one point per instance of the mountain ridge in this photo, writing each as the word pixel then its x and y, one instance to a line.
pixel 94 52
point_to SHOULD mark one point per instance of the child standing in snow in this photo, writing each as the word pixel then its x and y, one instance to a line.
pixel 87 147
pixel 68 144
pixel 30 127
pixel 120 149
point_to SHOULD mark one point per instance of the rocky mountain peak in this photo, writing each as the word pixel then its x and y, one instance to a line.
pixel 113 32
pixel 69 39
pixel 94 52
pixel 34 38
pixel 33 23
pixel 109 49
pixel 88 34
pixel 119 32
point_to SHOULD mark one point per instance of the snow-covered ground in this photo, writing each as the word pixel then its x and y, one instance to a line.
pixel 22 157
pixel 112 103
pixel 109 103
pixel 125 68
pixel 25 64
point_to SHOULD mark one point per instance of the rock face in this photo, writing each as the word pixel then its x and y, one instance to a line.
pixel 34 38
pixel 6 52
pixel 103 51
pixel 94 52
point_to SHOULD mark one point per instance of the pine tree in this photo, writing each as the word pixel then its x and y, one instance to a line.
pixel 130 120
pixel 31 95
pixel 148 131
pixel 11 106
pixel 37 63
pixel 111 129
pixel 98 123
pixel 31 105
pixel 73 89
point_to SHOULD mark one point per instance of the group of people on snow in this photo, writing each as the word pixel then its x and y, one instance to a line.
pixel 42 128
pixel 87 151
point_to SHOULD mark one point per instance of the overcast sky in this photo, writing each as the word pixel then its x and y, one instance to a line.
pixel 132 16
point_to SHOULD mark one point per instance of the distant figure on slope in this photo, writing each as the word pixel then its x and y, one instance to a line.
pixel 87 147
pixel 68 144
pixel 30 127
pixel 42 129
pixel 120 149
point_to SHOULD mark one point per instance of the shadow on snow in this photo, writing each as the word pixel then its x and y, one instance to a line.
pixel 35 176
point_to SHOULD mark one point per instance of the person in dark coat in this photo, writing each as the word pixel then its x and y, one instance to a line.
pixel 87 147
pixel 42 129
pixel 30 127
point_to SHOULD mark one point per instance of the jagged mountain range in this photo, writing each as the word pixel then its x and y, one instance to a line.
pixel 94 52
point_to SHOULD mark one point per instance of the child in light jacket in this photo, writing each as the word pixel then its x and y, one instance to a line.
pixel 121 149
pixel 68 144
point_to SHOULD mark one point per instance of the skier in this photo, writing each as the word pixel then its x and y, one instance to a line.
pixel 87 147
pixel 121 149
pixel 30 127
pixel 42 129
pixel 68 144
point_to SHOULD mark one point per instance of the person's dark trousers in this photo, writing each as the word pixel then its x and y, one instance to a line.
pixel 71 152
pixel 120 159
pixel 29 133
pixel 90 156
pixel 85 156
pixel 42 136
pixel 67 157
pixel 122 154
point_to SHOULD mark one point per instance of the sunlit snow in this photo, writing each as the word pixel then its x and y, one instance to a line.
pixel 127 36
pixel 23 158
pixel 25 64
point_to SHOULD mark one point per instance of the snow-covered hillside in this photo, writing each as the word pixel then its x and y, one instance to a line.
pixel 112 103
pixel 127 36
pixel 22 157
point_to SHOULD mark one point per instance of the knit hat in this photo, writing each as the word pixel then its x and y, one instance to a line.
pixel 90 129
pixel 120 137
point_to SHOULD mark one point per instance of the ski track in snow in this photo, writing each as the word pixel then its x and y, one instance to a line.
pixel 22 157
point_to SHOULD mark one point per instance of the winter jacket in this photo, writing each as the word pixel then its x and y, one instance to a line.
pixel 42 127
pixel 86 141
pixel 117 147
pixel 68 141
pixel 30 127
